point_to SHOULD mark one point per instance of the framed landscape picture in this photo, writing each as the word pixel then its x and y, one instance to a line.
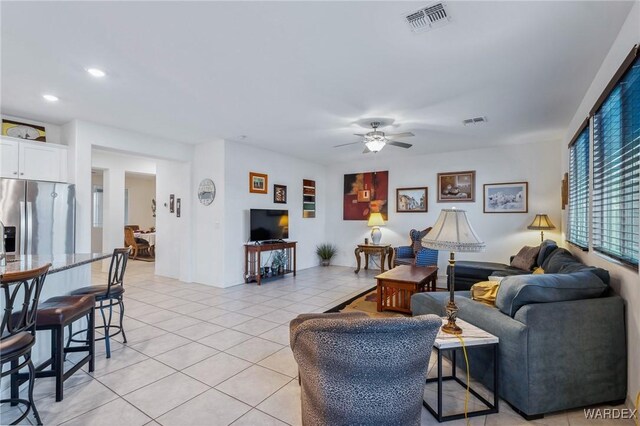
pixel 511 197
pixel 457 186
pixel 258 183
pixel 412 200
pixel 280 194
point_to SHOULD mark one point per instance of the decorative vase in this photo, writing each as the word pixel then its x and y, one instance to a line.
pixel 325 262
pixel 280 269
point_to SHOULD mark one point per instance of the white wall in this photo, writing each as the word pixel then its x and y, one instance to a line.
pixel 208 263
pixel 174 240
pixel 240 159
pixel 54 131
pixel 141 189
pixel 96 232
pixel 504 234
pixel 624 280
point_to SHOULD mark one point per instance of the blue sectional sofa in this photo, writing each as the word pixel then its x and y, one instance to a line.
pixel 562 336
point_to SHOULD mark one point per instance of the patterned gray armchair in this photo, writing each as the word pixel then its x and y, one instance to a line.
pixel 360 370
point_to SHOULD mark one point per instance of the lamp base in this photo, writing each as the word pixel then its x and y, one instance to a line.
pixel 376 235
pixel 452 312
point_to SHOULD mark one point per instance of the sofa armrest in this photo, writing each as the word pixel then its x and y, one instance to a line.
pixel 511 258
pixel 580 344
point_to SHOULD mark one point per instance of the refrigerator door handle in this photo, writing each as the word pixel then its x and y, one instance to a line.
pixel 23 229
pixel 29 227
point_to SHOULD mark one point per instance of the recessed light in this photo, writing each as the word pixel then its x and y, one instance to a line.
pixel 96 72
pixel 50 98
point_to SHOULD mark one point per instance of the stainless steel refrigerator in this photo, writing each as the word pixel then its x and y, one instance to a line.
pixel 39 217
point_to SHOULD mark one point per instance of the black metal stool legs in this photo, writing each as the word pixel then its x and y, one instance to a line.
pixel 121 304
pixel 15 388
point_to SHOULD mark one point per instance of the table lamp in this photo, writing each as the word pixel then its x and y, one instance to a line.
pixel 454 233
pixel 376 220
pixel 541 223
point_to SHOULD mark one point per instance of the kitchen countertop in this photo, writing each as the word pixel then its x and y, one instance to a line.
pixel 59 262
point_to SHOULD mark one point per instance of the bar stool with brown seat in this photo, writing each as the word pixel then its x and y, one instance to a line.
pixel 107 296
pixel 55 314
pixel 20 296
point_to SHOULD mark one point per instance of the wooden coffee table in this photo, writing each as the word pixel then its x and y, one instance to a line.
pixel 396 286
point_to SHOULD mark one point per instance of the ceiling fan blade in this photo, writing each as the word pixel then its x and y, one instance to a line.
pixel 366 150
pixel 345 144
pixel 359 134
pixel 400 144
pixel 400 135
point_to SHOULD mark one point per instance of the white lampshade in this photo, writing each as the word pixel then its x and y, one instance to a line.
pixel 453 232
pixel 375 219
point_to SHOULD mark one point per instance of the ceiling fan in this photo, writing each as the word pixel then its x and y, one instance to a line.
pixel 375 140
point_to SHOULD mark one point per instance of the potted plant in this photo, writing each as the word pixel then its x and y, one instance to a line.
pixel 325 252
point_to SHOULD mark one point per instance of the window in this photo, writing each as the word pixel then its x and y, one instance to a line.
pixel 97 206
pixel 578 232
pixel 616 169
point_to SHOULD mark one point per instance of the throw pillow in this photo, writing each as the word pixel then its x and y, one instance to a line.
pixel 485 292
pixel 519 290
pixel 538 270
pixel 526 258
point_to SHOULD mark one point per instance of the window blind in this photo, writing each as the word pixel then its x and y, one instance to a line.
pixel 578 230
pixel 616 170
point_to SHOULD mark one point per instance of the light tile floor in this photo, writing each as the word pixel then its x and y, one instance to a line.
pixel 199 355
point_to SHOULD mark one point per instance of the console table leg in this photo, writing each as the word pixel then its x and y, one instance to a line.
pixel 382 259
pixel 357 253
pixel 366 260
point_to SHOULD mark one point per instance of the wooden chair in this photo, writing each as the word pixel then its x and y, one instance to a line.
pixel 136 246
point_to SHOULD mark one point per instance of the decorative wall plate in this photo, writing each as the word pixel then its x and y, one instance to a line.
pixel 206 192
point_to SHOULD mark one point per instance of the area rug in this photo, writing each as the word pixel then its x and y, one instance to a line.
pixel 366 302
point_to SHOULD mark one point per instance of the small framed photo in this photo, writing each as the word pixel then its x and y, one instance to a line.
pixel 412 200
pixel 258 183
pixel 510 197
pixel 172 203
pixel 280 194
pixel 457 187
pixel 178 207
pixel 16 129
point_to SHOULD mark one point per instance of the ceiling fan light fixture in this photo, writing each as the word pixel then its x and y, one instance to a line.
pixel 375 145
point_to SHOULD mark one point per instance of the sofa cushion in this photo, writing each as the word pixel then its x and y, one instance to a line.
pixel 526 258
pixel 546 248
pixel 561 261
pixel 434 302
pixel 517 291
pixel 481 269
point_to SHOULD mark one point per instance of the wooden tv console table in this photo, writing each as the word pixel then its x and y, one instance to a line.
pixel 252 260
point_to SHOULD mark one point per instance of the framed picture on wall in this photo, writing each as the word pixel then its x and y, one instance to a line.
pixel 280 194
pixel 511 197
pixel 178 207
pixel 172 201
pixel 412 200
pixel 457 187
pixel 258 183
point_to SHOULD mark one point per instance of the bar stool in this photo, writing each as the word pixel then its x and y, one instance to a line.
pixel 107 296
pixel 55 314
pixel 20 293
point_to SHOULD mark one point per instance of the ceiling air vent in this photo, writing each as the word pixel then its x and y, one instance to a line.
pixel 476 120
pixel 427 18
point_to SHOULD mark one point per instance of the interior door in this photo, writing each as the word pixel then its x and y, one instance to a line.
pixel 50 211
pixel 12 210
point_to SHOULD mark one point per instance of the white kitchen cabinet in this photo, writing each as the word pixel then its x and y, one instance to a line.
pixel 33 160
pixel 9 154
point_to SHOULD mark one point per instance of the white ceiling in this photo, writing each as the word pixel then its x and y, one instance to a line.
pixel 294 76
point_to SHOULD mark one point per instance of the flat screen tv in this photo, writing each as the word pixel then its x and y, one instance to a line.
pixel 269 224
